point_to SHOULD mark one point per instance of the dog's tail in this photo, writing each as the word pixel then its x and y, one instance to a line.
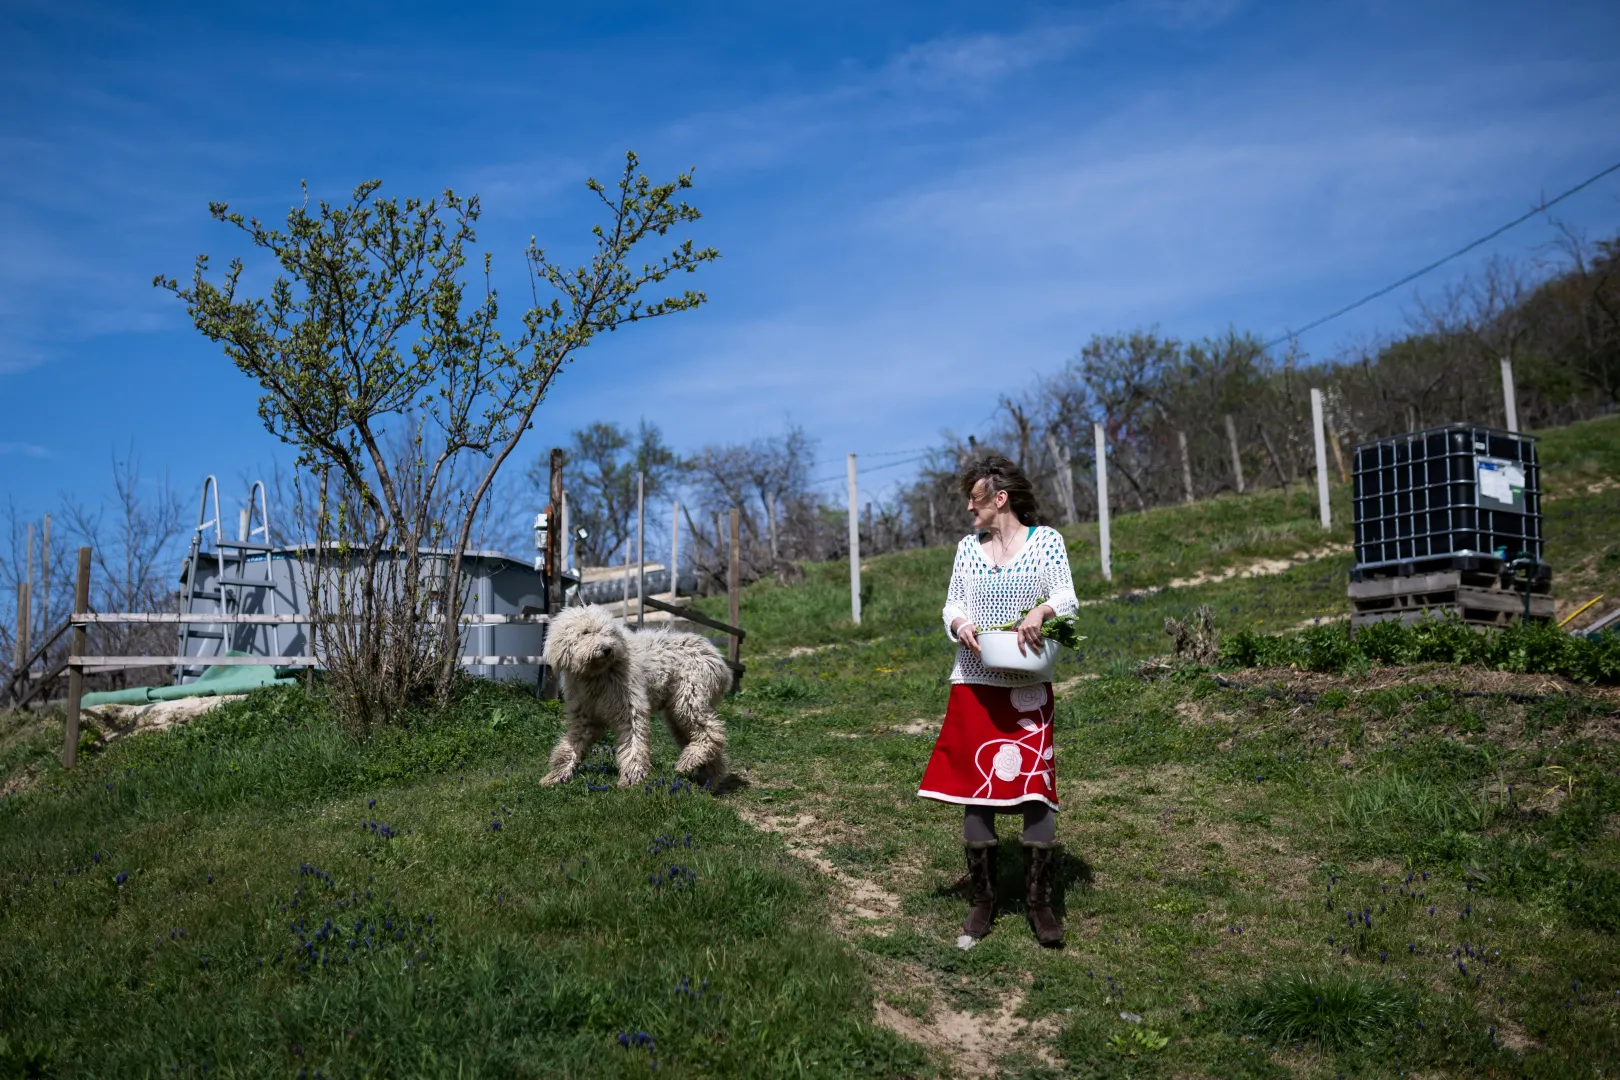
pixel 716 673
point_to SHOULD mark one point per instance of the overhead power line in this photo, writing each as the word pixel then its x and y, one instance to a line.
pixel 869 469
pixel 1465 249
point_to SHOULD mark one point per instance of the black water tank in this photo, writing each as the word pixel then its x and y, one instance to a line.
pixel 1462 496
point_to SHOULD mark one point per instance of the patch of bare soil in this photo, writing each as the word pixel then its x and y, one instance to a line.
pixel 1257 568
pixel 919 726
pixel 1260 567
pixel 803 835
pixel 1061 688
pixel 804 650
pixel 969 1041
pixel 18 783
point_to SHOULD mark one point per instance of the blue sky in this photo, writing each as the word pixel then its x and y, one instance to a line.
pixel 918 205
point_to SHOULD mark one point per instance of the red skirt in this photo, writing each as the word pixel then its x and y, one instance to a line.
pixel 995 747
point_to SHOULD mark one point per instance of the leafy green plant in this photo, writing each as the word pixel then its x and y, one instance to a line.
pixel 1062 629
pixel 1135 1041
pixel 1536 648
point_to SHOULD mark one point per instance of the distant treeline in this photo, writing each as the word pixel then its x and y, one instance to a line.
pixel 1559 323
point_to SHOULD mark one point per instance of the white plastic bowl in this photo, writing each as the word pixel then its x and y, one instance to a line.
pixel 999 649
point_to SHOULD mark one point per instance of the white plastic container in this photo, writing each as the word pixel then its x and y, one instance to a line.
pixel 999 649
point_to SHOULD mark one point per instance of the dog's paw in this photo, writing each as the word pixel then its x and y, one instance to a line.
pixel 553 779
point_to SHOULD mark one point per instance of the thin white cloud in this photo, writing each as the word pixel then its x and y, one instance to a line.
pixel 22 449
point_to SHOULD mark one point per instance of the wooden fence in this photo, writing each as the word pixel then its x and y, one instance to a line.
pixel 78 661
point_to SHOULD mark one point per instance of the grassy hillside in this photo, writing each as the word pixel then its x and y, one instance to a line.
pixel 1278 874
pixel 904 591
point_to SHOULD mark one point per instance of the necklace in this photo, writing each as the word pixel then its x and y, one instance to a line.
pixel 998 544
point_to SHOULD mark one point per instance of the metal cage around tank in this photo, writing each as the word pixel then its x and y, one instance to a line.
pixel 1461 496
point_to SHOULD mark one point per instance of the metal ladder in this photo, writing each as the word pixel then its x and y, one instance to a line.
pixel 235 586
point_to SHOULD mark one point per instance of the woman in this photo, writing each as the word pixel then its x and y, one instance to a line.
pixel 994 752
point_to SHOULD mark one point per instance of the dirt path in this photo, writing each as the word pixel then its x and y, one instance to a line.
pixel 968 1042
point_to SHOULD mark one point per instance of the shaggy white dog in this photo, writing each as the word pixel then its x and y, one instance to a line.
pixel 612 677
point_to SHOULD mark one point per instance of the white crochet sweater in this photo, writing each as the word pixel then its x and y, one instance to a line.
pixel 991 596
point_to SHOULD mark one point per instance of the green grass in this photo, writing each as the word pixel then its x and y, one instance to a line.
pixel 166 912
pixel 1346 868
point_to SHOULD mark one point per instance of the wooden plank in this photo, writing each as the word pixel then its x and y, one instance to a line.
pixel 697 617
pixel 1504 601
pixel 1444 579
pixel 100 618
pixel 31 692
pixel 81 604
pixel 80 662
pixel 1462 596
pixel 1411 617
pixel 734 585
pixel 111 662
pixel 19 675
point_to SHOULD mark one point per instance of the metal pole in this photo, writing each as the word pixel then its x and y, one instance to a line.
pixel 1510 404
pixel 81 604
pixel 641 548
pixel 1102 501
pixel 1321 458
pixel 854 549
pixel 568 560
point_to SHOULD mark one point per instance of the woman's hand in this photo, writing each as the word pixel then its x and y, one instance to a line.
pixel 966 633
pixel 1029 631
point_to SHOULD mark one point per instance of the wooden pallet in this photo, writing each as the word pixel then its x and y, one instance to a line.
pixel 1477 598
pixel 1418 567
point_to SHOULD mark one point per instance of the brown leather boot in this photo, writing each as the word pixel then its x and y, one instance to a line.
pixel 981 861
pixel 1040 866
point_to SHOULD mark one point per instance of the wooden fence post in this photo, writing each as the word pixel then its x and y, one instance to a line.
pixel 1237 459
pixel 641 548
pixel 26 619
pixel 554 537
pixel 1276 463
pixel 1510 404
pixel 19 639
pixel 1102 501
pixel 675 552
pixel 771 509
pixel 45 579
pixel 1065 473
pixel 1186 466
pixel 734 585
pixel 81 604
pixel 1321 458
pixel 854 550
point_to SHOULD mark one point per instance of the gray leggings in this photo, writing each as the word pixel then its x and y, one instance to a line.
pixel 979 822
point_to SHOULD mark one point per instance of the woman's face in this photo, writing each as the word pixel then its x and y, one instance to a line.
pixel 985 504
